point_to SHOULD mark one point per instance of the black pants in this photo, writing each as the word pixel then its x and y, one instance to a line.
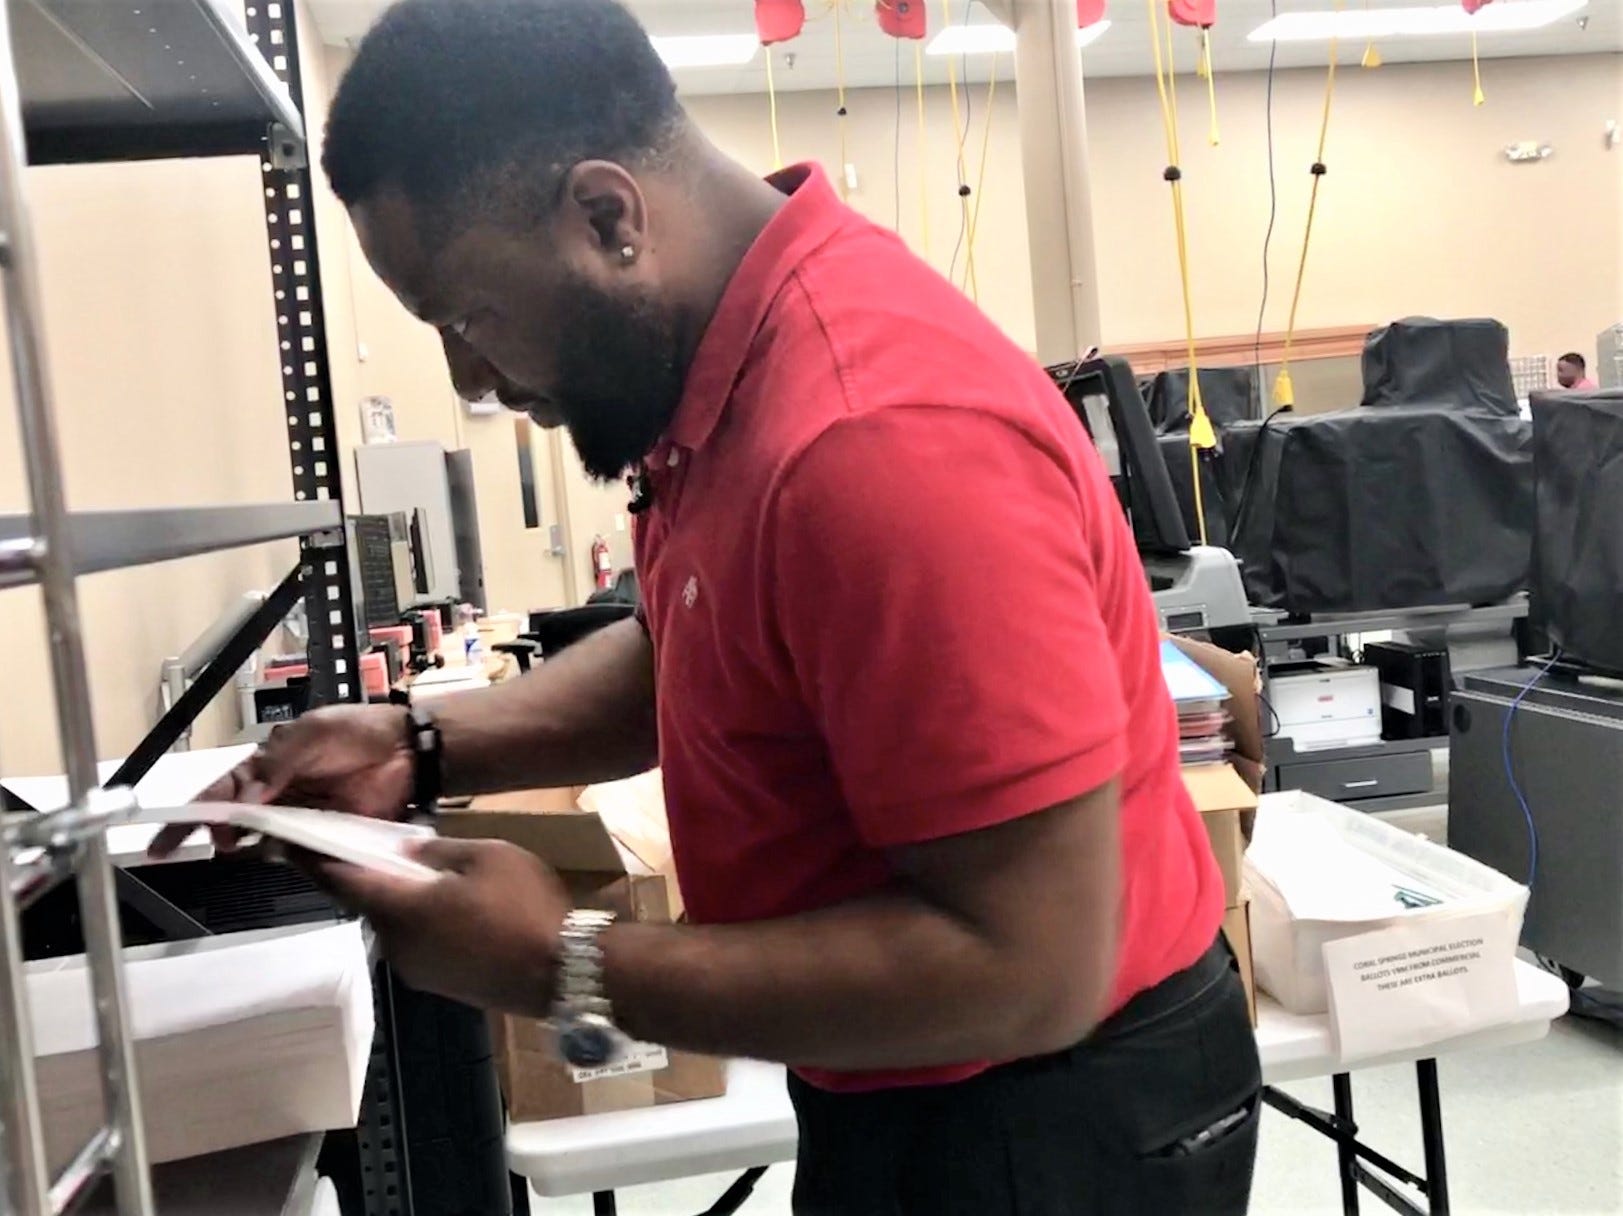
pixel 1155 1114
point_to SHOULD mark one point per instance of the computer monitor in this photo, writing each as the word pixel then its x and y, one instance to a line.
pixel 1106 399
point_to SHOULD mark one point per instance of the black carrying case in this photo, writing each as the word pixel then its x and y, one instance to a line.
pixel 1361 510
pixel 1578 568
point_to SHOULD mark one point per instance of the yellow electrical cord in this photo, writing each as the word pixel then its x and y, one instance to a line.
pixel 1211 84
pixel 839 80
pixel 1372 56
pixel 1284 390
pixel 958 132
pixel 1477 97
pixel 980 183
pixel 772 110
pixel 924 181
pixel 1201 434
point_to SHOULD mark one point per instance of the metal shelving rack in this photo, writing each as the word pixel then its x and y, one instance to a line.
pixel 87 81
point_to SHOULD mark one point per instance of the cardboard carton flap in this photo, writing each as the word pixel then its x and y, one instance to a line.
pixel 575 841
pixel 1217 787
pixel 633 810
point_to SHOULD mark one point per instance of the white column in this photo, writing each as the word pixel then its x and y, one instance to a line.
pixel 1054 156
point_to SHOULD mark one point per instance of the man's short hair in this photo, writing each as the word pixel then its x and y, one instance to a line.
pixel 448 97
pixel 1573 357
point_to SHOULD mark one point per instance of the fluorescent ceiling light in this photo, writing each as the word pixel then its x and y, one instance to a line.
pixel 706 50
pixel 1501 17
pixel 987 38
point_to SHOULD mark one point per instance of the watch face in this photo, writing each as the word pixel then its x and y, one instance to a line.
pixel 587 1046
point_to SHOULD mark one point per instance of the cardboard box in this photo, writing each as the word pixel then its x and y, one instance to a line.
pixel 610 845
pixel 1237 928
pixel 1227 806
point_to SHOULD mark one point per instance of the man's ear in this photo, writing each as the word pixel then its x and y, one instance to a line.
pixel 604 205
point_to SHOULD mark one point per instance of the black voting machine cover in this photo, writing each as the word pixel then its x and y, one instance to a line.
pixel 1425 499
pixel 1229 395
pixel 1461 363
pixel 1578 558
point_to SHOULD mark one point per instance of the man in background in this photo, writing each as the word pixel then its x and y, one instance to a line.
pixel 899 664
pixel 1570 372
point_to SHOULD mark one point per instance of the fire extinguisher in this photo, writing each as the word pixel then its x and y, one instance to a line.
pixel 602 566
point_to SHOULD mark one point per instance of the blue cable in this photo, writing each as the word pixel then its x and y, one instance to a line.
pixel 1510 767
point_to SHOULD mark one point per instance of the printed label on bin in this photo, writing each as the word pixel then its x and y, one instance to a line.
pixel 1419 982
pixel 639 1057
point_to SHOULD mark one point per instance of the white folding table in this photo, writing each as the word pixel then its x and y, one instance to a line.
pixel 753 1126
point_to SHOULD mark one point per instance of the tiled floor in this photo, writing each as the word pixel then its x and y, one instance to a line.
pixel 1533 1129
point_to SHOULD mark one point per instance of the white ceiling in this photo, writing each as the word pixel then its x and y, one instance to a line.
pixel 873 59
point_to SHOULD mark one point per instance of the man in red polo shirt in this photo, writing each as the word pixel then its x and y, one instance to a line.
pixel 898 663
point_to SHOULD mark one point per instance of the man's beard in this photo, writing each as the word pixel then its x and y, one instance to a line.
pixel 618 381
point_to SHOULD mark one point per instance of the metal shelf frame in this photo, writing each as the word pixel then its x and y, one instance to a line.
pixel 87 81
pixel 1286 629
pixel 117 540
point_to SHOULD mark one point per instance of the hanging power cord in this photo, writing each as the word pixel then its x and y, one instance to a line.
pixel 772 112
pixel 1204 69
pixel 958 135
pixel 980 179
pixel 842 113
pixel 1372 55
pixel 924 179
pixel 1510 765
pixel 1273 207
pixel 1201 435
pixel 1284 390
pixel 1477 96
pixel 896 149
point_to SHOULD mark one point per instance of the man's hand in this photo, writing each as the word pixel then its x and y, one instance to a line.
pixel 485 932
pixel 346 758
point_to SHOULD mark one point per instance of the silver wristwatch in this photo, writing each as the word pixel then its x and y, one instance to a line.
pixel 582 1015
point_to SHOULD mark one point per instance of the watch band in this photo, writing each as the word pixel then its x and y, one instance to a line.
pixel 580 966
pixel 427 760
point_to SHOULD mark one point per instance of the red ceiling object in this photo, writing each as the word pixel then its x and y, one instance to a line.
pixel 1202 13
pixel 1089 12
pixel 902 18
pixel 1471 6
pixel 779 20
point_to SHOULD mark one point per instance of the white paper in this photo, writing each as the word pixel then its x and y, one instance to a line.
pixel 639 1057
pixel 1420 981
pixel 175 778
pixel 377 844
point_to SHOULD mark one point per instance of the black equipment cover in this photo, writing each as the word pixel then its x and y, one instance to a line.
pixel 1227 392
pixel 1422 360
pixel 1578 571
pixel 1361 510
pixel 1213 502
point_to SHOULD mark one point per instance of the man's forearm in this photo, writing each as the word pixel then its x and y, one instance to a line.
pixel 884 982
pixel 587 715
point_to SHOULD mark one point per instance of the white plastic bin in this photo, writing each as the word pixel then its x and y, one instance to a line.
pixel 1319 871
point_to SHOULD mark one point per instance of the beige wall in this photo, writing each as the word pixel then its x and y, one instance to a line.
pixel 162 340
pixel 1420 212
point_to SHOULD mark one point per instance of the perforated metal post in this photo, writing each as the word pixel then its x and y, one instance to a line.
pixel 306 381
pixel 121 1143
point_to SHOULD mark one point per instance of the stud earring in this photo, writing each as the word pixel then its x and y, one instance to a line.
pixel 628 253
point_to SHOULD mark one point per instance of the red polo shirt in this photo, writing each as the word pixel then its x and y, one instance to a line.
pixel 893 598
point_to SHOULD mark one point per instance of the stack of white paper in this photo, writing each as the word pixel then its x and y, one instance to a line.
pixel 240 1038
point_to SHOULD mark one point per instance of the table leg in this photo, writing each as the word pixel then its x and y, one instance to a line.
pixel 603 1204
pixel 1346 1158
pixel 1431 1133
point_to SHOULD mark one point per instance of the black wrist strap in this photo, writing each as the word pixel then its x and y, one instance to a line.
pixel 427 760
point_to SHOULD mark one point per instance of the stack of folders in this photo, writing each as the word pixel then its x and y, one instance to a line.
pixel 1202 704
